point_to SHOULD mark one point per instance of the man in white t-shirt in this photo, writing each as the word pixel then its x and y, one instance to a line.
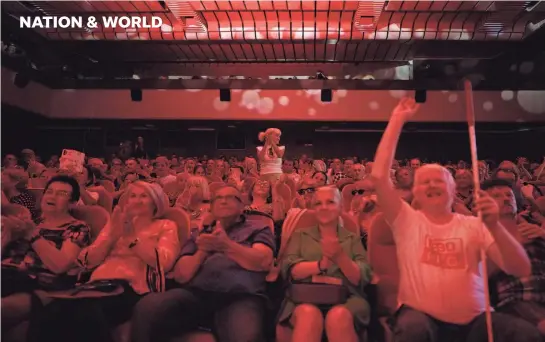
pixel 441 288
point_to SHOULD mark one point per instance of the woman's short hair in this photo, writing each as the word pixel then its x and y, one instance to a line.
pixel 66 180
pixel 251 196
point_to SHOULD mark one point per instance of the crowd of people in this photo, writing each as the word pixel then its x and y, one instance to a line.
pixel 135 248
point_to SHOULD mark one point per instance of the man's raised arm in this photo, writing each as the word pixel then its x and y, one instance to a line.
pixel 389 200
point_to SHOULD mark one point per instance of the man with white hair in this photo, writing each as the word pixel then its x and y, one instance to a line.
pixel 441 288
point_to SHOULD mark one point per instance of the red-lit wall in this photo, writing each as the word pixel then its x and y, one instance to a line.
pixel 505 106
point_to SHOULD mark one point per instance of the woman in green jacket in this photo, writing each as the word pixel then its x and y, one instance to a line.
pixel 326 250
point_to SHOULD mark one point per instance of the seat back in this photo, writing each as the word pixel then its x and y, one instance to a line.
pixel 95 216
pixel 105 198
pixel 261 218
pixel 347 196
pixel 285 194
pixel 182 220
pixel 350 224
pixel 295 219
pixel 381 250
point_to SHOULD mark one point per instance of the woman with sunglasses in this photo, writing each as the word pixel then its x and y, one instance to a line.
pixel 363 206
pixel 303 198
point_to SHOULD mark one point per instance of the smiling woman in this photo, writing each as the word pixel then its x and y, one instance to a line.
pixel 316 256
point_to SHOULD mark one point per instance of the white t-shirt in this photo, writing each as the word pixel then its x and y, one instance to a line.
pixel 439 265
pixel 271 164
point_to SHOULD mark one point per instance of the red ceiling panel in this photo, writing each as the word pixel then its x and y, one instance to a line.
pixel 297 30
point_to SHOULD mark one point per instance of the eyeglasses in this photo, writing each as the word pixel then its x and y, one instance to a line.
pixel 508 170
pixel 227 198
pixel 304 191
pixel 59 193
pixel 358 192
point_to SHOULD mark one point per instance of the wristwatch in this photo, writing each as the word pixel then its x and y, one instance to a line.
pixel 134 243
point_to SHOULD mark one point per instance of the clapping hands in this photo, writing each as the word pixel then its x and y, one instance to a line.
pixel 217 241
pixel 331 248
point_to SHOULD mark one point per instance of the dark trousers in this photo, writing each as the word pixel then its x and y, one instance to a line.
pixel 231 317
pixel 82 320
pixel 415 326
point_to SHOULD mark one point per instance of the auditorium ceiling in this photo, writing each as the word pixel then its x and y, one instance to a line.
pixel 412 44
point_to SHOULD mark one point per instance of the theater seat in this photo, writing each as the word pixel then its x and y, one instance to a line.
pixel 96 217
pixel 105 198
pixel 383 258
pixel 181 218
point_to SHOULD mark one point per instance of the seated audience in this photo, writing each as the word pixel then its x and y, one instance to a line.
pixel 523 297
pixel 161 167
pixel 222 280
pixel 137 246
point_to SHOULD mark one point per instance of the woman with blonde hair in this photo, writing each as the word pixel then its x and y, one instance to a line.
pixel 135 249
pixel 195 200
pixel 270 154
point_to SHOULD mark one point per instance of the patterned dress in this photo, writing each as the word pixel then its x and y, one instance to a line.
pixel 20 255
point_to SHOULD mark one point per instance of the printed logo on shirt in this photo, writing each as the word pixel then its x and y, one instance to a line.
pixel 444 253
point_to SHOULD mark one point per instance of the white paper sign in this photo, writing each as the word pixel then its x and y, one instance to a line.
pixel 72 160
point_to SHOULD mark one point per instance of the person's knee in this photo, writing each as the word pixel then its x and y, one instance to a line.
pixel 307 313
pixel 414 325
pixel 243 321
pixel 339 318
pixel 16 306
pixel 148 307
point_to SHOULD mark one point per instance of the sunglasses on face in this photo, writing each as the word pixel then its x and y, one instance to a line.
pixel 358 192
pixel 305 191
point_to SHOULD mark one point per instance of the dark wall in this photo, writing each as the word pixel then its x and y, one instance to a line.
pixel 21 129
